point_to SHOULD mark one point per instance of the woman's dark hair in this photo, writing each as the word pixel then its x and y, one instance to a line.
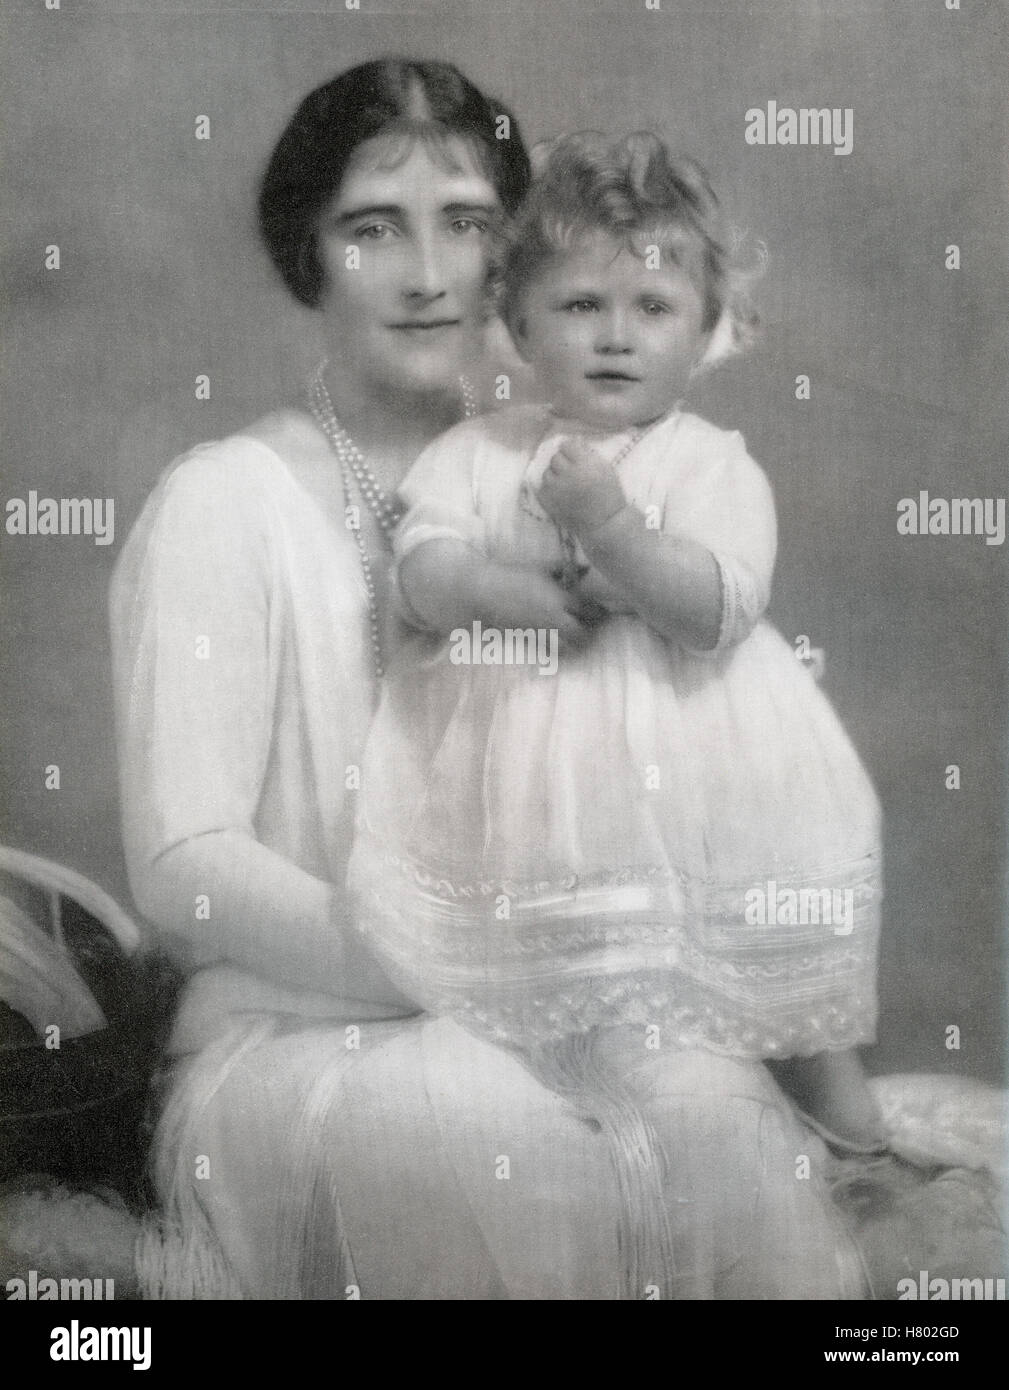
pixel 310 159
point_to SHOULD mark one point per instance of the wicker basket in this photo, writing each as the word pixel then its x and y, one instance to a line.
pixel 76 1113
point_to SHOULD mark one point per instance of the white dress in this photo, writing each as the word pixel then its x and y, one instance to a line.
pixel 347 1147
pixel 651 836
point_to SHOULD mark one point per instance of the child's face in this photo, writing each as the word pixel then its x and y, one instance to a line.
pixel 612 341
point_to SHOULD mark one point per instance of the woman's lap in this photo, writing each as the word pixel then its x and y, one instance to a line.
pixel 447 1171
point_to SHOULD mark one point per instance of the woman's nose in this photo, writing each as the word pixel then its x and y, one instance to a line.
pixel 425 274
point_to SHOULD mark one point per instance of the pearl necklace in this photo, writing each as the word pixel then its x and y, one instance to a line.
pixel 354 469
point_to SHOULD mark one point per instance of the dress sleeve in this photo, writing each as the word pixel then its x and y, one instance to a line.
pixel 440 498
pixel 728 507
pixel 190 615
pixel 197 630
pixel 439 493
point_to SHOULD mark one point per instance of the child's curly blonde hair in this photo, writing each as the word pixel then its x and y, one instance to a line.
pixel 636 192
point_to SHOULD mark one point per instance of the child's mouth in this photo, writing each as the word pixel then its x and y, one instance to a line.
pixel 611 376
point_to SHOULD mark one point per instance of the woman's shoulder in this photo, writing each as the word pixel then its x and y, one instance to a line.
pixel 243 477
pixel 243 462
pixel 219 495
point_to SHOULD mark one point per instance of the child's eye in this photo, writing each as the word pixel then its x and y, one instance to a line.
pixel 581 306
pixel 655 307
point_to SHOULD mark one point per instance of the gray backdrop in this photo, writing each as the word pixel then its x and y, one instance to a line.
pixel 162 279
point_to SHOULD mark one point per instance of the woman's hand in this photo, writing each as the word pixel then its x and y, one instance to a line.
pixel 580 490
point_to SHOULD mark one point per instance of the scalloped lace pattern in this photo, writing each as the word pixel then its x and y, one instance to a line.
pixel 529 963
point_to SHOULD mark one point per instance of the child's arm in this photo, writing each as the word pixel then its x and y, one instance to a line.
pixel 444 576
pixel 447 584
pixel 672 582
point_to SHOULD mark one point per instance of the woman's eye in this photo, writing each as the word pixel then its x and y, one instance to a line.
pixel 581 306
pixel 374 231
pixel 655 307
pixel 465 225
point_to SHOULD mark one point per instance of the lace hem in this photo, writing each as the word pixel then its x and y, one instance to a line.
pixel 639 946
pixel 862 875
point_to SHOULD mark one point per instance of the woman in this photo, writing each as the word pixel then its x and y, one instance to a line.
pixel 321 1138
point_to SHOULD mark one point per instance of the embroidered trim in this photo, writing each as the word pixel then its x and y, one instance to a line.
pixel 639 945
pixel 862 874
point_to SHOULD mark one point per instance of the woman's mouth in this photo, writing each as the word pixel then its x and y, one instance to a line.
pixel 422 327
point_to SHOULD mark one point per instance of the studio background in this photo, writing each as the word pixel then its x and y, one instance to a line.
pixel 162 278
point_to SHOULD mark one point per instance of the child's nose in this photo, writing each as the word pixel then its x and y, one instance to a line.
pixel 613 334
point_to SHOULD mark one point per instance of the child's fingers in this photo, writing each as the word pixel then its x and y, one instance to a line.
pixel 558 466
pixel 573 449
pixel 577 454
pixel 572 632
pixel 573 457
pixel 579 606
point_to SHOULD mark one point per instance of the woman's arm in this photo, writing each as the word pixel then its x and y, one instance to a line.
pixel 193 606
pixel 231 898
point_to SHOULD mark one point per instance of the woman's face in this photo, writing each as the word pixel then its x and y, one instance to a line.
pixel 404 247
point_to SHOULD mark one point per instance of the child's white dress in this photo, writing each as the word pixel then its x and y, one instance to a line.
pixel 651 836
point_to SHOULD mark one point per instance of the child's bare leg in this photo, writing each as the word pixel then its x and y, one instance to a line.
pixel 831 1087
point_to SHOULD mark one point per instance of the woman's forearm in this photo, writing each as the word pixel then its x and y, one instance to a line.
pixel 233 899
pixel 671 582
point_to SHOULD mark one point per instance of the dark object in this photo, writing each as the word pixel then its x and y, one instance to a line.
pixel 76 1113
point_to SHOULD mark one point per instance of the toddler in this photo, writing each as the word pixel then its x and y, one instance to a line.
pixel 602 800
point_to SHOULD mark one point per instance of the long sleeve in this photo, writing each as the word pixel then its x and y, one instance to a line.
pixel 190 632
pixel 727 505
pixel 195 682
pixel 439 492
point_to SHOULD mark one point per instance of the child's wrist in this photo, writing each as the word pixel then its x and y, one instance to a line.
pixel 602 533
pixel 408 608
pixel 486 593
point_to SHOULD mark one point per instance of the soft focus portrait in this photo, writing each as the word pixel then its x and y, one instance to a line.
pixel 504 733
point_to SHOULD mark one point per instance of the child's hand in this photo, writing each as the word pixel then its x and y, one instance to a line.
pixel 526 598
pixel 598 591
pixel 580 490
